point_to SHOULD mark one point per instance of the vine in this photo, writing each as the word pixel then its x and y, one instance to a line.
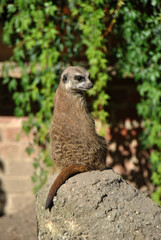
pixel 141 55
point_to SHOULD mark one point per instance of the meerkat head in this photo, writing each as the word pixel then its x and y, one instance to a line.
pixel 76 78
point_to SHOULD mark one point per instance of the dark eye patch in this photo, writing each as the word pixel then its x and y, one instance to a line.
pixel 65 78
pixel 79 78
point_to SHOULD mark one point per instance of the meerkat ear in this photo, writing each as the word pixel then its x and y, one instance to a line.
pixel 65 78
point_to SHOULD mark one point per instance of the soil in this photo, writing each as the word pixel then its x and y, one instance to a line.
pixel 19 226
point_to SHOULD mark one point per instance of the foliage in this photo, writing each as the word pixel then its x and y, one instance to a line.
pixel 140 54
pixel 30 30
pixel 92 28
pixel 48 35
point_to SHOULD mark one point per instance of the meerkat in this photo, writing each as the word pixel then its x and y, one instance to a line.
pixel 75 147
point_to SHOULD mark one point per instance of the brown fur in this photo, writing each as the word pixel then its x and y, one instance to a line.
pixel 75 145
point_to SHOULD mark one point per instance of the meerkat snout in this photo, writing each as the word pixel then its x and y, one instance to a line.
pixel 90 85
pixel 84 84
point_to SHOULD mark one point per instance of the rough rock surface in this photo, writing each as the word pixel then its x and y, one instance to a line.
pixel 97 205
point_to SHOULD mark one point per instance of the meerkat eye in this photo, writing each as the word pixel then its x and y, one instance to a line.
pixel 79 78
pixel 65 78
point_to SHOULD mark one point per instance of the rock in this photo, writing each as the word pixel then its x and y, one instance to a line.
pixel 97 205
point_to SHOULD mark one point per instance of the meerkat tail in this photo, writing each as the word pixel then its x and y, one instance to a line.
pixel 61 178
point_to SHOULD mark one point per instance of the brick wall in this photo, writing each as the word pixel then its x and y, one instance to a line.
pixel 15 167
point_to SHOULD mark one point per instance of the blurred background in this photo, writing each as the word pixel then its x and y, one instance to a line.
pixel 119 42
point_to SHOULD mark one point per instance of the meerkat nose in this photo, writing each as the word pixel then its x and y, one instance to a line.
pixel 91 85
